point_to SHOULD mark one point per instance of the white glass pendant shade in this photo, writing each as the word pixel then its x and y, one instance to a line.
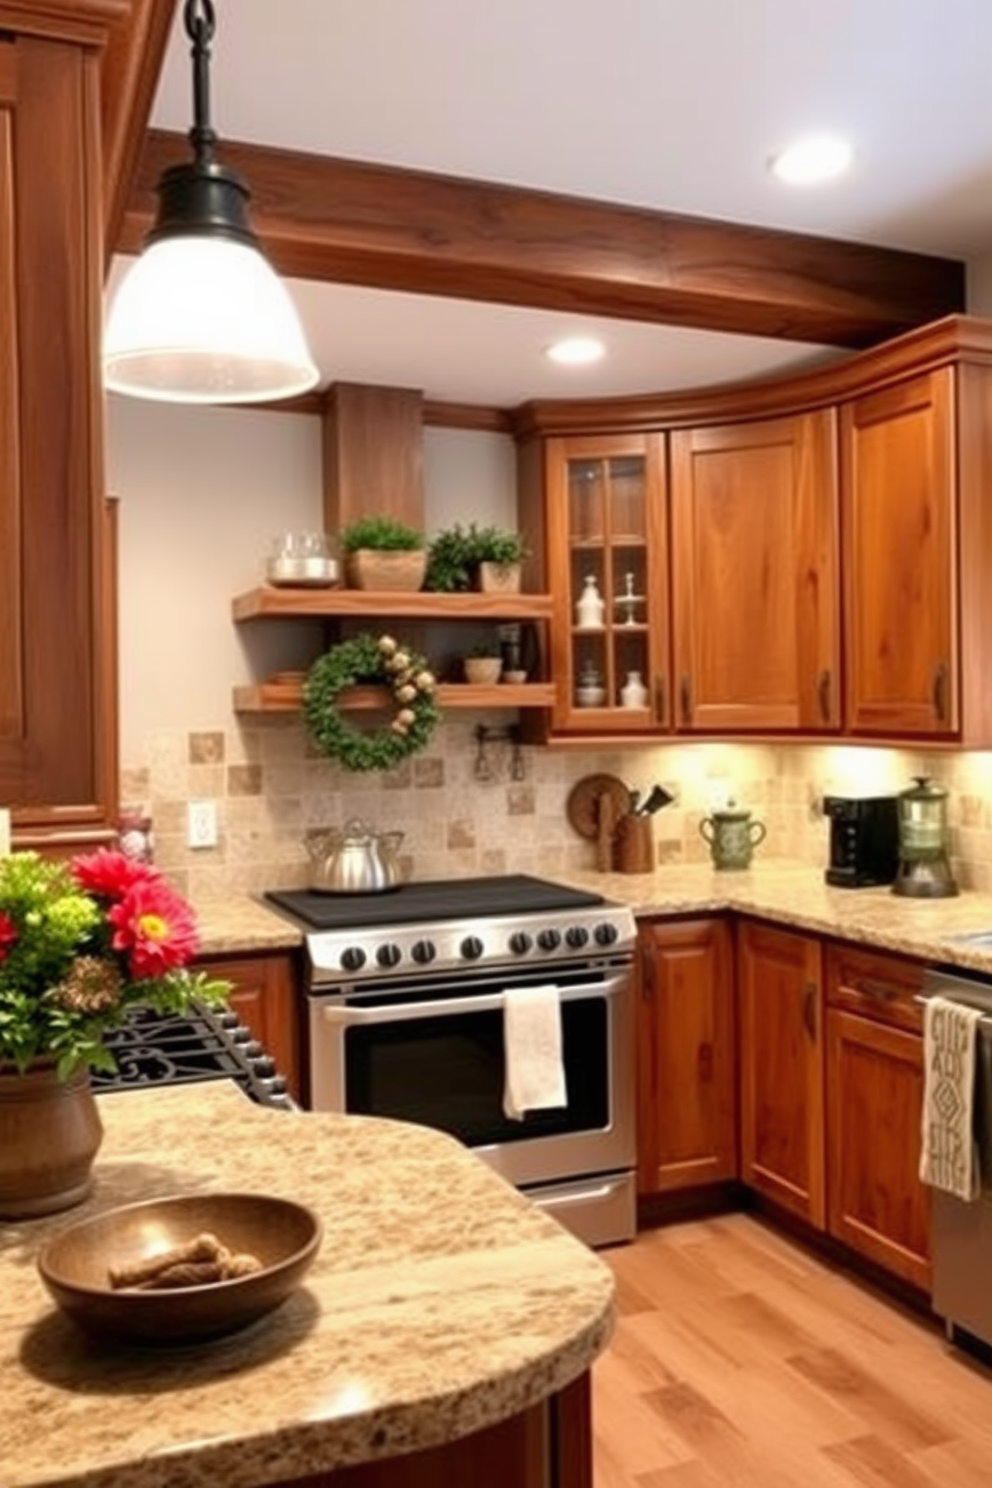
pixel 205 319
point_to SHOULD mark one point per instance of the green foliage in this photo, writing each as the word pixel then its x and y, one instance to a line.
pixel 454 555
pixel 377 660
pixel 384 533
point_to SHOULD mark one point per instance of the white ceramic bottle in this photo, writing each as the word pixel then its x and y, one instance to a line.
pixel 633 693
pixel 589 606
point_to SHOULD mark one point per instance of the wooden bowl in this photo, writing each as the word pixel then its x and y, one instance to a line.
pixel 75 1263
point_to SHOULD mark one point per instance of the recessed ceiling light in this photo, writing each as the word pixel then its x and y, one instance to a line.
pixel 818 158
pixel 576 351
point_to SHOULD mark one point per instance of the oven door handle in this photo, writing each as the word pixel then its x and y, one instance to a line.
pixel 343 1014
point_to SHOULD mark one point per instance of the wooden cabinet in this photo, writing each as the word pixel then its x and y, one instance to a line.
pixel 58 764
pixel 780 989
pixel 605 527
pixel 876 1202
pixel 686 1070
pixel 900 523
pixel 756 624
pixel 266 998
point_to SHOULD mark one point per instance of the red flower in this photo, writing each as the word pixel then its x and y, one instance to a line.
pixel 154 927
pixel 109 874
pixel 8 934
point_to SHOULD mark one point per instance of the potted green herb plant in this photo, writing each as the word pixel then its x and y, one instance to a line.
pixel 483 664
pixel 383 552
pixel 474 557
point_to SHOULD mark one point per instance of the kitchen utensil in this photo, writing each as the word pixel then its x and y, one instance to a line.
pixel 656 798
pixel 924 871
pixel 74 1265
pixel 732 836
pixel 353 859
pixel 583 805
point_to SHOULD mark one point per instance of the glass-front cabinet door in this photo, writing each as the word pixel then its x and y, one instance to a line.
pixel 607 534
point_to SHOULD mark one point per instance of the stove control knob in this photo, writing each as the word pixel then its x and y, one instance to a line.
pixel 240 1034
pixel 264 1067
pixel 520 942
pixel 606 934
pixel 423 952
pixel 576 936
pixel 228 1018
pixel 352 958
pixel 388 954
pixel 472 948
pixel 548 940
pixel 253 1050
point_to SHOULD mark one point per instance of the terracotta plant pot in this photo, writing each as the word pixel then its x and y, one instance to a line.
pixel 50 1134
pixel 499 578
pixel 374 568
pixel 483 671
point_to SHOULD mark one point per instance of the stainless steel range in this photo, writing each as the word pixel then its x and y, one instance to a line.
pixel 407 993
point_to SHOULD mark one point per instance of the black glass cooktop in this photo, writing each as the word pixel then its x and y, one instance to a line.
pixel 432 899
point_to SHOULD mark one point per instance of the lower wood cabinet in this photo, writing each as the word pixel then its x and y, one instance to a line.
pixel 266 999
pixel 687 1128
pixel 876 1202
pixel 780 988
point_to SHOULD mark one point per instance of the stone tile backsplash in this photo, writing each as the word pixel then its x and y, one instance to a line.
pixel 270 787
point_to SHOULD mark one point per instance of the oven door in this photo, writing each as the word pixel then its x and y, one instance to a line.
pixel 432 1053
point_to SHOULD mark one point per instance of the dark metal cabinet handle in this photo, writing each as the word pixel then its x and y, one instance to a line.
pixel 685 697
pixel 823 694
pixel 809 1009
pixel 941 678
pixel 877 991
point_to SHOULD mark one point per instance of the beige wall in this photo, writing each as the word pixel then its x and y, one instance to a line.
pixel 202 494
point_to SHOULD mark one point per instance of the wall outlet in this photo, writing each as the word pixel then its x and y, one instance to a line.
pixel 201 824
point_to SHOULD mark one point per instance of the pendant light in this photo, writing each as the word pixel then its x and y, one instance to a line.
pixel 201 316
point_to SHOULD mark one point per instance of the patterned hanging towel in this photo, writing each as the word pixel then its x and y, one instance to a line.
pixel 949 1154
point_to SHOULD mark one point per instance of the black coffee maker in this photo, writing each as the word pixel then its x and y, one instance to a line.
pixel 864 840
pixel 924 869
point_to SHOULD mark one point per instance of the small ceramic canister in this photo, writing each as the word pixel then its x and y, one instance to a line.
pixel 732 836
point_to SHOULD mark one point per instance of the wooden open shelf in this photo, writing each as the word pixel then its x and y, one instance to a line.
pixel 271 601
pixel 286 697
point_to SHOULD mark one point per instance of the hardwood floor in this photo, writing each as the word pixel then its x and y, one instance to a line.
pixel 741 1359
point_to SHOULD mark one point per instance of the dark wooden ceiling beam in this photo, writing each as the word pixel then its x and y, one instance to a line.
pixel 343 221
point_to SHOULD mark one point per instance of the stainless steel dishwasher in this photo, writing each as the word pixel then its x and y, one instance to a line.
pixel 961 1233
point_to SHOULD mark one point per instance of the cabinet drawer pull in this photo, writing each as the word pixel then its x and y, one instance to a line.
pixel 823 694
pixel 877 991
pixel 941 678
pixel 660 691
pixel 809 1009
pixel 685 696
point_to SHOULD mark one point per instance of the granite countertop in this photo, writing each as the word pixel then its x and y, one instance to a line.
pixel 441 1302
pixel 792 894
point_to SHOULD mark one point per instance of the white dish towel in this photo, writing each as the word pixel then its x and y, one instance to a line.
pixel 949 1154
pixel 535 1073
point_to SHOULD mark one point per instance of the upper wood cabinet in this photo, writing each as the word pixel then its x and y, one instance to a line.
pixel 57 704
pixel 756 632
pixel 606 528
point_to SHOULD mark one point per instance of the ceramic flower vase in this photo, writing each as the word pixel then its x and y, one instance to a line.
pixel 50 1133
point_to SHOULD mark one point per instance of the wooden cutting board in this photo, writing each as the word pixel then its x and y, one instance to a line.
pixel 584 805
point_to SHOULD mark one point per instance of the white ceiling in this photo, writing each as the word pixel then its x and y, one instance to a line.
pixel 669 104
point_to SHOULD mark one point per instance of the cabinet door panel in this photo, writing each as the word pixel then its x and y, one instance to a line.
pixel 782 1076
pixel 898 482
pixel 756 605
pixel 877 1204
pixel 687 1132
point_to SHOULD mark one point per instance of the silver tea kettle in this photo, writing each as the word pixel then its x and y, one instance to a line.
pixel 353 859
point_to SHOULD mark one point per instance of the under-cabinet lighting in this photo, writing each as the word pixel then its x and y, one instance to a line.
pixel 576 351
pixel 819 157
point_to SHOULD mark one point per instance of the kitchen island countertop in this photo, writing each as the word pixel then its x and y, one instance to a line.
pixel 441 1302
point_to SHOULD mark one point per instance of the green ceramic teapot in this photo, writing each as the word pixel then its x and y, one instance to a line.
pixel 732 836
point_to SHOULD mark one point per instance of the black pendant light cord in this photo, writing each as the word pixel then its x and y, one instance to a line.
pixel 200 21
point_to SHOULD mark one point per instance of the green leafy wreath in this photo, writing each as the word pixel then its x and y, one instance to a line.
pixel 379 660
